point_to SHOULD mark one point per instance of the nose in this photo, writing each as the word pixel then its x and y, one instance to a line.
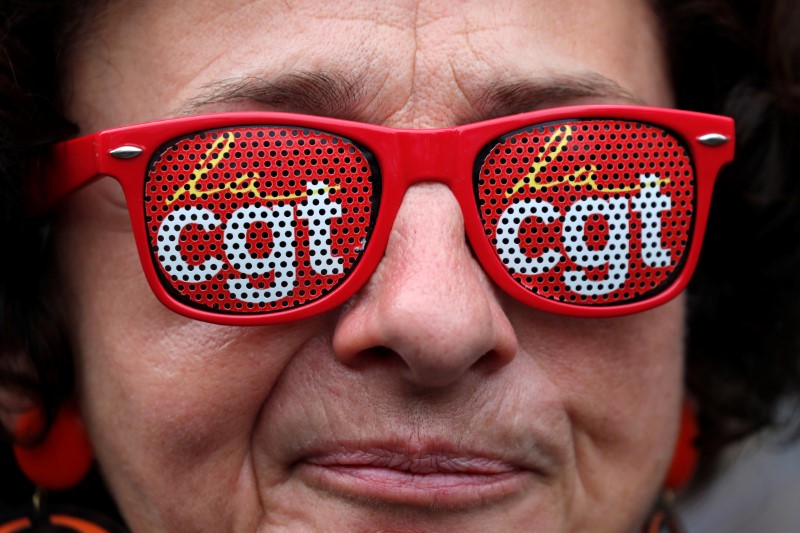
pixel 428 303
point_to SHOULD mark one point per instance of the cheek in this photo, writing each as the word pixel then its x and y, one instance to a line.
pixel 620 384
pixel 625 358
pixel 161 394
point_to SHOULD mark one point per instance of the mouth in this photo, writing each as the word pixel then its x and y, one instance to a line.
pixel 429 476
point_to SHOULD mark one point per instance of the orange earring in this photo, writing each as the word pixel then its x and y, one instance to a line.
pixel 65 455
pixel 58 462
pixel 685 457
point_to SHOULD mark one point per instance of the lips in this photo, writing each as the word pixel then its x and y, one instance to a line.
pixel 426 476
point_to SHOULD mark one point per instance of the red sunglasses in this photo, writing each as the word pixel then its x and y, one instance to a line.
pixel 260 218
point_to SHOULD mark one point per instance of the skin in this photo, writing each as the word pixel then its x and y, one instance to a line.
pixel 200 427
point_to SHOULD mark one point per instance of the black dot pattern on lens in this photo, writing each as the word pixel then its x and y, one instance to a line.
pixel 588 212
pixel 258 219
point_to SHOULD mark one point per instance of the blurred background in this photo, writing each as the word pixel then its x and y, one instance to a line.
pixel 759 492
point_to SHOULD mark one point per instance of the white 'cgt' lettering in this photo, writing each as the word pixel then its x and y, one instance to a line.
pixel 508 236
pixel 169 253
pixel 317 209
pixel 279 260
pixel 649 202
pixel 614 253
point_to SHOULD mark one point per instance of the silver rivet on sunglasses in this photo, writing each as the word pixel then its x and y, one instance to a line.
pixel 713 139
pixel 125 152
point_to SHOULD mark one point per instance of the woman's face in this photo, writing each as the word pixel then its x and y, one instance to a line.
pixel 428 402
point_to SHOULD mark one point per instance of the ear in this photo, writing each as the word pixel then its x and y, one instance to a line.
pixel 16 405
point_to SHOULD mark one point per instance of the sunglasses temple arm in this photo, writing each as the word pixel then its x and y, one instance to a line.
pixel 67 166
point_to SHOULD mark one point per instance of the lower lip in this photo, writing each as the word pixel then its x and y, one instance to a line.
pixel 438 489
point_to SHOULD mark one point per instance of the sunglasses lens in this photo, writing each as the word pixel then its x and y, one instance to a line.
pixel 588 212
pixel 258 219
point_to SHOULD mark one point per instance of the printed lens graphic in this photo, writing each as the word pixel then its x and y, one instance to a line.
pixel 592 212
pixel 258 219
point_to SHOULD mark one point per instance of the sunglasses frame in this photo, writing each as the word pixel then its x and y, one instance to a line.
pixel 405 157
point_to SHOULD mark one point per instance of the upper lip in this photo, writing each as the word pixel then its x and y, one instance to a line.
pixel 435 473
pixel 414 463
pixel 434 456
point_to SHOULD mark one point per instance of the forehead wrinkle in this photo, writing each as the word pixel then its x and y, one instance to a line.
pixel 326 93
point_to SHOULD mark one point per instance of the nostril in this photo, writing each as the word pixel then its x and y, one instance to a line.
pixel 490 362
pixel 368 356
pixel 429 312
pixel 382 352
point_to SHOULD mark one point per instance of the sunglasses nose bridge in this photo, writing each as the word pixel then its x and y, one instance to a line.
pixel 429 155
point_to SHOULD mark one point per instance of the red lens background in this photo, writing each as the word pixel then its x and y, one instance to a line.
pixel 257 219
pixel 592 212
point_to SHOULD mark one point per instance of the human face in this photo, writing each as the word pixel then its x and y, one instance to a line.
pixel 429 401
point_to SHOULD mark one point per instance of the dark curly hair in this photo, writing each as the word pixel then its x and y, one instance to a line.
pixel 739 58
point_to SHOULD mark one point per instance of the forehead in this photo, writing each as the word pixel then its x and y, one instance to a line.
pixel 401 63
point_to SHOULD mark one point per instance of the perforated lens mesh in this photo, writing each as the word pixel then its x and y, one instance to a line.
pixel 592 212
pixel 258 219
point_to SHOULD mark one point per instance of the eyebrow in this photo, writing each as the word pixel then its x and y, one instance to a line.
pixel 338 95
pixel 517 96
pixel 315 93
